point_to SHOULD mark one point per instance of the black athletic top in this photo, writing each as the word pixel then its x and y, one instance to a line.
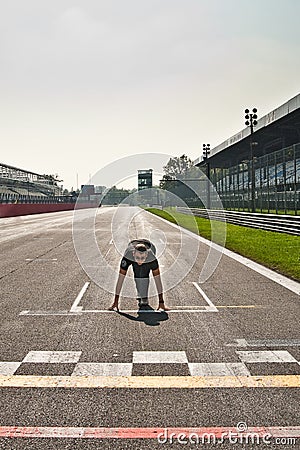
pixel 143 270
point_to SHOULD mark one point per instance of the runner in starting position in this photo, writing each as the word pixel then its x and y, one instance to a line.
pixel 141 254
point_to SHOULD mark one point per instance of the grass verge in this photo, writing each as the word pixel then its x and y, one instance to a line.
pixel 278 251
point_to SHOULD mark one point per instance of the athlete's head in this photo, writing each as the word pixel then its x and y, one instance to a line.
pixel 140 254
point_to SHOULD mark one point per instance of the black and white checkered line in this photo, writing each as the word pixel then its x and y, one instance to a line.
pixel 150 357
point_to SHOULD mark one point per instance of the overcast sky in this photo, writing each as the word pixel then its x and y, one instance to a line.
pixel 84 83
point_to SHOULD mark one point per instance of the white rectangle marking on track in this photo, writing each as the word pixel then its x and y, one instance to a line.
pixel 211 306
pixel 52 357
pixel 8 368
pixel 103 369
pixel 75 307
pixel 160 357
pixel 218 369
pixel 266 356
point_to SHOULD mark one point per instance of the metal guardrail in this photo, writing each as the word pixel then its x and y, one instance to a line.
pixel 269 222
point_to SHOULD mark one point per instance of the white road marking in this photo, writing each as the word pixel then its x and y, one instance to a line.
pixel 113 369
pixel 265 343
pixel 75 307
pixel 266 356
pixel 109 249
pixel 159 357
pixel 40 259
pixel 80 311
pixel 52 357
pixel 8 368
pixel 50 313
pixel 218 369
pixel 103 369
pixel 238 343
pixel 212 307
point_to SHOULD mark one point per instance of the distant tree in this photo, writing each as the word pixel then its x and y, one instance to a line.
pixel 181 178
pixel 177 168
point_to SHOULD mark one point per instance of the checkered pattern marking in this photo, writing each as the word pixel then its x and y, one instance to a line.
pixel 249 360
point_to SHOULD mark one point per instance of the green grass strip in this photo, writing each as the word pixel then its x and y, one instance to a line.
pixel 278 251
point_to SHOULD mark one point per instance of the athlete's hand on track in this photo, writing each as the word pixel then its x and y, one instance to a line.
pixel 114 307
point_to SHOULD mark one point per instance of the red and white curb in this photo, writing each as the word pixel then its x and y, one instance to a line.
pixel 163 434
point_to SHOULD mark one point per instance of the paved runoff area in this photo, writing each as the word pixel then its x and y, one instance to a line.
pixel 221 369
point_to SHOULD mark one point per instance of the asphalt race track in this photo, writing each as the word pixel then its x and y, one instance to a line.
pixel 222 364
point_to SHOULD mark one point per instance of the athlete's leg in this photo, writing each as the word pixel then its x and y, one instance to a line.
pixel 142 286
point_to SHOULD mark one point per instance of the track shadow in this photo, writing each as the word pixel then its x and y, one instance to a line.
pixel 147 315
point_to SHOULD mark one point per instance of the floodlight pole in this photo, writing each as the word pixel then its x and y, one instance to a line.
pixel 251 121
pixel 206 152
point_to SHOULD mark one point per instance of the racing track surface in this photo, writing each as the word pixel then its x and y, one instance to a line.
pixel 76 376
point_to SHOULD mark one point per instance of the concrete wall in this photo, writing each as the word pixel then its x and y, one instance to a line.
pixel 22 209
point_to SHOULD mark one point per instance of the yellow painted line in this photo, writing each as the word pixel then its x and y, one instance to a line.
pixel 157 382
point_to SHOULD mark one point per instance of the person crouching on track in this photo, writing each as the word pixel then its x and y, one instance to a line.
pixel 140 253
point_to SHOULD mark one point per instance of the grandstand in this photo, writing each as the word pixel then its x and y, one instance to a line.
pixel 269 159
pixel 19 185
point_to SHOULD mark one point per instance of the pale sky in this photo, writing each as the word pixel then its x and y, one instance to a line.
pixel 84 83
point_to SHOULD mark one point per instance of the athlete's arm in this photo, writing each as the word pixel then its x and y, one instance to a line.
pixel 159 288
pixel 120 281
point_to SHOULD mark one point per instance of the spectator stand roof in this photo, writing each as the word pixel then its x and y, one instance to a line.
pixel 276 130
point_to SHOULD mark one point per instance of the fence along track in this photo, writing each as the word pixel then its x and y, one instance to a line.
pixel 269 222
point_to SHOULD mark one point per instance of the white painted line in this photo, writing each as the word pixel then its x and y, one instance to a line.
pixel 238 343
pixel 273 342
pixel 265 343
pixel 266 356
pixel 41 259
pixel 160 357
pixel 75 307
pixel 212 307
pixel 8 368
pixel 50 313
pixel 218 369
pixel 80 311
pixel 193 307
pixel 52 357
pixel 293 286
pixel 109 249
pixel 103 369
